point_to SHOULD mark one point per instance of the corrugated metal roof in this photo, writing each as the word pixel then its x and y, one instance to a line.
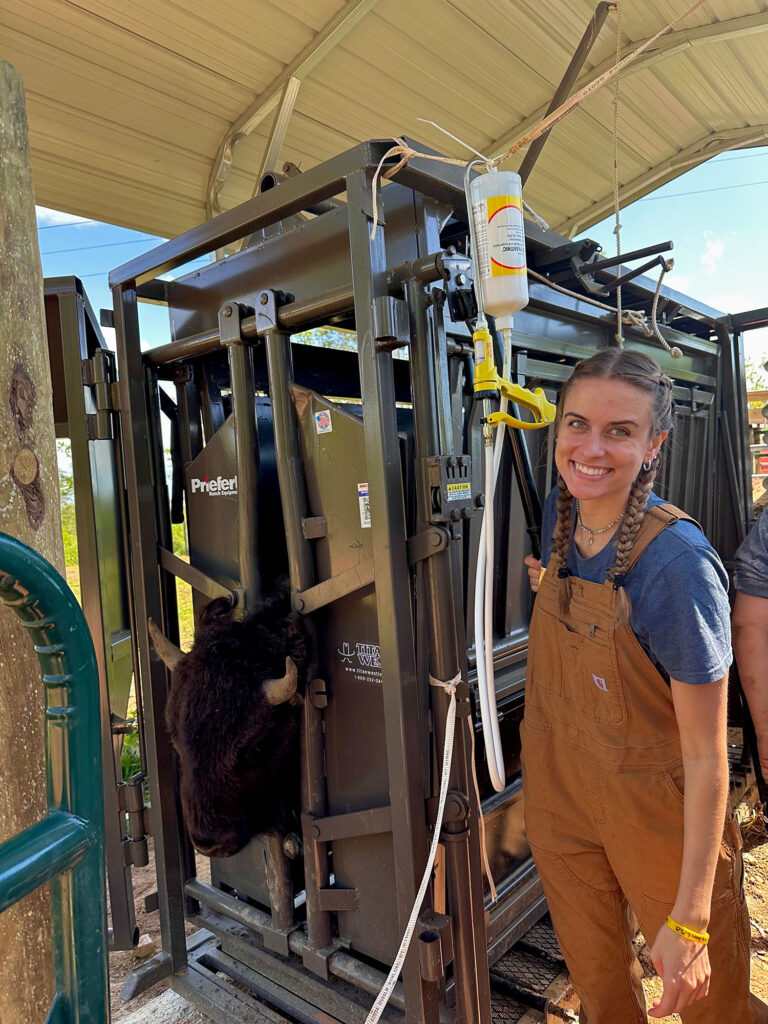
pixel 131 103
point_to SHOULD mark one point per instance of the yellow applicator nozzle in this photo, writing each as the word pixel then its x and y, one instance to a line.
pixel 488 384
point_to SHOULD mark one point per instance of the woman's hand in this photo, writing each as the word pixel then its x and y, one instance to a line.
pixel 683 967
pixel 534 571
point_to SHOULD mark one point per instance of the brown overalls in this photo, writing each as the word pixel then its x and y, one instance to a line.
pixel 603 782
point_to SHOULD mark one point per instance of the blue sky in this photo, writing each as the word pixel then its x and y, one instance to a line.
pixel 716 215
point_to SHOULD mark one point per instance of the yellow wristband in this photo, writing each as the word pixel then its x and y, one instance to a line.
pixel 688 933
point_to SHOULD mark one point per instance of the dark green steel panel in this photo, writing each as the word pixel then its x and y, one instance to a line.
pixel 67 847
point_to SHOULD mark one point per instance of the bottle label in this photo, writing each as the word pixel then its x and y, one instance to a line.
pixel 505 235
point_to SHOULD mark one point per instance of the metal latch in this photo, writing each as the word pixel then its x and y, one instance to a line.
pixel 447 480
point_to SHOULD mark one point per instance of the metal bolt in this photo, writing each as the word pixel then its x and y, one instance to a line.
pixel 435 539
pixel 228 311
pixel 461 279
pixel 315 831
pixel 264 299
pixel 299 604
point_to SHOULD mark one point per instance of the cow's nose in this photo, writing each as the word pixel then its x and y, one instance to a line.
pixel 221 847
pixel 204 845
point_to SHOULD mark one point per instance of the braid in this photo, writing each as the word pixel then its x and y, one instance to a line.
pixel 630 526
pixel 561 540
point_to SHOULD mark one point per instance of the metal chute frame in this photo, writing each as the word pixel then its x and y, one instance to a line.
pixel 231 325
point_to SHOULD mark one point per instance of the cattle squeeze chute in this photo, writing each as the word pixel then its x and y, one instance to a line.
pixel 357 473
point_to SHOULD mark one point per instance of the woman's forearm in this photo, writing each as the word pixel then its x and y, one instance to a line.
pixel 706 794
pixel 750 645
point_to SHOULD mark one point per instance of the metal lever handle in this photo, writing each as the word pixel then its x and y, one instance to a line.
pixel 536 402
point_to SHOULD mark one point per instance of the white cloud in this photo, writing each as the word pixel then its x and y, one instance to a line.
pixel 680 282
pixel 711 256
pixel 46 216
pixel 730 302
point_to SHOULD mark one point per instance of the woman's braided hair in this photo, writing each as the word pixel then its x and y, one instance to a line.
pixel 644 373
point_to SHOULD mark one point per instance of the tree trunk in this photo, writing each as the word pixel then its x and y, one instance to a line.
pixel 29 510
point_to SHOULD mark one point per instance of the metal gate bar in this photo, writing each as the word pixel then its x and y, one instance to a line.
pixel 66 848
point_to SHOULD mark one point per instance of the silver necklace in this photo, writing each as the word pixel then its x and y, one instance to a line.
pixel 594 533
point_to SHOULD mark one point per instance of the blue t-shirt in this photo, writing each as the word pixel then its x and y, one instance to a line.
pixel 750 563
pixel 679 595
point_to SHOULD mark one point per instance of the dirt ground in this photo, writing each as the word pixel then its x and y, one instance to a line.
pixel 756 884
pixel 121 964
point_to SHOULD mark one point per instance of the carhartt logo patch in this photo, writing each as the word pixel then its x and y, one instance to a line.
pixel 600 683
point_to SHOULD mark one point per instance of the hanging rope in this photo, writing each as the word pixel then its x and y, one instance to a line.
pixel 616 204
pixel 629 317
pixel 673 350
pixel 449 685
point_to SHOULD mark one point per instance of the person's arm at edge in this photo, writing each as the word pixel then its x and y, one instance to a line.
pixel 701 713
pixel 750 646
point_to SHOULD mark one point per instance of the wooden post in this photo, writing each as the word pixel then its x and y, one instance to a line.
pixel 29 510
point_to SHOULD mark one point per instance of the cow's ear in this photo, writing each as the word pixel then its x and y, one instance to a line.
pixel 220 607
pixel 278 691
pixel 168 652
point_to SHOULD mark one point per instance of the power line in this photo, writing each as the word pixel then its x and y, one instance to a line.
pixel 69 224
pixel 104 245
pixel 743 156
pixel 701 191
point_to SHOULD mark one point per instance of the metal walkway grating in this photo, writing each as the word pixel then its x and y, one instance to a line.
pixel 505 1010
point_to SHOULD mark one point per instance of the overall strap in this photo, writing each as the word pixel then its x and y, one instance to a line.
pixel 656 519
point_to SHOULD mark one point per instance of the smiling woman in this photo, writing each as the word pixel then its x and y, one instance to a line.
pixel 625 771
pixel 608 459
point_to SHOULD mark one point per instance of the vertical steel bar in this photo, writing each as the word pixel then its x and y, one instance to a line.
pixel 464 874
pixel 247 446
pixel 74 349
pixel 147 601
pixel 393 592
pixel 279 884
pixel 302 572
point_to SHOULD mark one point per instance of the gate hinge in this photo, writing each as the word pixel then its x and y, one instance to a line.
pixel 130 797
pixel 98 374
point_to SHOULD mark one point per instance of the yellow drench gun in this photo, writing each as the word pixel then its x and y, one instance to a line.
pixel 488 384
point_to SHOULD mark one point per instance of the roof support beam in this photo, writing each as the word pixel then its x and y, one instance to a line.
pixel 660 174
pixel 298 69
pixel 279 131
pixel 667 46
pixel 563 90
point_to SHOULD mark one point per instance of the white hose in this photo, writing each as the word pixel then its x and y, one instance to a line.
pixel 484 600
pixel 450 724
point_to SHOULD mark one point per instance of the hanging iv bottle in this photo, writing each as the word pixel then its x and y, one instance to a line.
pixel 497 209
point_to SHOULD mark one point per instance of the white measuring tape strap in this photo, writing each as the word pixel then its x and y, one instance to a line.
pixel 450 724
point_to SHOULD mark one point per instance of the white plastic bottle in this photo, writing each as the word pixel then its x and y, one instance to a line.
pixel 497 209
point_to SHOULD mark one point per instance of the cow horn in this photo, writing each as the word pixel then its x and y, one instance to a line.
pixel 169 653
pixel 278 691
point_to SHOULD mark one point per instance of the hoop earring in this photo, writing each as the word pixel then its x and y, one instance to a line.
pixel 647 465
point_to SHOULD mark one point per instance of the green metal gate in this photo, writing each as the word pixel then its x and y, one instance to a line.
pixel 66 848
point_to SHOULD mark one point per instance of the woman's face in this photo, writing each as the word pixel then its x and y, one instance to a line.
pixel 604 437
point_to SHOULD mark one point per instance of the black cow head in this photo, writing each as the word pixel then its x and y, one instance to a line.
pixel 233 716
